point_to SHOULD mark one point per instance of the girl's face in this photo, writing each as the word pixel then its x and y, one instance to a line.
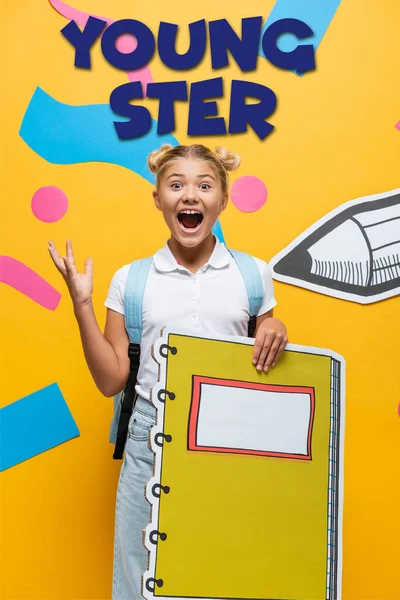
pixel 191 200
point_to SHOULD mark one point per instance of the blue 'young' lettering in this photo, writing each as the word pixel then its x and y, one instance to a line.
pixel 222 38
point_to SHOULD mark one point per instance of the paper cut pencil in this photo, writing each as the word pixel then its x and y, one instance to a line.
pixel 352 253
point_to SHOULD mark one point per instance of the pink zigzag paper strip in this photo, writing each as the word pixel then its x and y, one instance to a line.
pixel 398 125
pixel 25 280
pixel 125 43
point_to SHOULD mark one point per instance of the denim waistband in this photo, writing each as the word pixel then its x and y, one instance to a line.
pixel 145 407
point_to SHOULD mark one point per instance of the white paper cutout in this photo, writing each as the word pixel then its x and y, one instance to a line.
pixel 265 421
pixel 159 490
pixel 352 253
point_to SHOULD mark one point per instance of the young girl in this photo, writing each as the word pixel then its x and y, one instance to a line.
pixel 193 283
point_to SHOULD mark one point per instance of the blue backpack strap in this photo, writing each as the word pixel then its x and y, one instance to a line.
pixel 133 303
pixel 252 279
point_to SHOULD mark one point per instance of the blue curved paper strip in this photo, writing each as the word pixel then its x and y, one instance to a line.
pixel 317 14
pixel 33 425
pixel 65 134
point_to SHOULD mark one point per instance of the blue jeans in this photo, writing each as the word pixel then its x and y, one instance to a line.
pixel 132 512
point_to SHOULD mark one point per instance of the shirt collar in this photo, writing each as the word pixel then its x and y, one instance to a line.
pixel 165 261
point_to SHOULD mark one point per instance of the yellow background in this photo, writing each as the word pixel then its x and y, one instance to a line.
pixel 271 513
pixel 335 140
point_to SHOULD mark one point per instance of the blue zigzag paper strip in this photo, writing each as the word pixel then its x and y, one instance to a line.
pixel 317 14
pixel 65 134
pixel 33 425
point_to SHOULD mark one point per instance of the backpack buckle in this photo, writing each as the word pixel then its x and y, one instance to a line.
pixel 252 326
pixel 134 354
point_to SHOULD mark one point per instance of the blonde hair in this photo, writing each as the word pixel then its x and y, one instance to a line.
pixel 222 160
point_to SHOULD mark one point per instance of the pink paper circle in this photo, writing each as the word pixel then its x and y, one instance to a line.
pixel 248 193
pixel 126 43
pixel 49 204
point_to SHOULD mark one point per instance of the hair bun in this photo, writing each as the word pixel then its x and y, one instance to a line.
pixel 154 158
pixel 229 159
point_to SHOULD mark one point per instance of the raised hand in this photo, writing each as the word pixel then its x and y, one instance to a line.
pixel 80 285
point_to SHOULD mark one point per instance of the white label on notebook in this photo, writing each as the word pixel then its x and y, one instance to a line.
pixel 240 417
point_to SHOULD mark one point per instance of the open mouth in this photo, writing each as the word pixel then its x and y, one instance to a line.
pixel 190 220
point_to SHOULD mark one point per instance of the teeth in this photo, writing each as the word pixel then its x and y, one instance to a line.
pixel 190 212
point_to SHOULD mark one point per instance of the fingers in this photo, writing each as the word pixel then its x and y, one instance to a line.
pixel 69 267
pixel 264 346
pixel 278 354
pixel 59 263
pixel 65 264
pixel 258 345
pixel 89 267
pixel 268 347
pixel 272 354
pixel 70 252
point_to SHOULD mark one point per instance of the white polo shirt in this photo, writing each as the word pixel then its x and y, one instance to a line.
pixel 214 299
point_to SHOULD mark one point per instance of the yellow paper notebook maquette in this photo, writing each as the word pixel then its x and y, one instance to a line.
pixel 247 489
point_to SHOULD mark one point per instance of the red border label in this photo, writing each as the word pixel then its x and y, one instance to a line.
pixel 198 380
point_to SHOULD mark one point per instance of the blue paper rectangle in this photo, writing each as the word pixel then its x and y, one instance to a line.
pixel 33 425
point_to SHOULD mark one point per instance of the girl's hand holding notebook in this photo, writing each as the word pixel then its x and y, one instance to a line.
pixel 270 342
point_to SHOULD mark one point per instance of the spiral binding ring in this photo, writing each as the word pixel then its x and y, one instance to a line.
pixel 165 488
pixel 170 395
pixel 167 437
pixel 157 582
pixel 153 536
pixel 172 349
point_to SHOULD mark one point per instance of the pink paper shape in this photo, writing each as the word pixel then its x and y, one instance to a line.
pixel 125 43
pixel 49 204
pixel 398 125
pixel 25 280
pixel 248 193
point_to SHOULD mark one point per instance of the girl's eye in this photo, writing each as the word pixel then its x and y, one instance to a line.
pixel 174 184
pixel 207 186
